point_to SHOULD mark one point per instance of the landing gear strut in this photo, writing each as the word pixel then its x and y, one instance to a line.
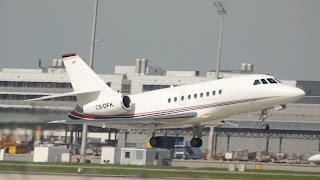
pixel 263 117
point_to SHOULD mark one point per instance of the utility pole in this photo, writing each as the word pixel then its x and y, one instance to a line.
pixel 93 42
pixel 222 11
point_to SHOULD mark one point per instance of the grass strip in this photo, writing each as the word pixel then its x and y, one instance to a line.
pixel 139 171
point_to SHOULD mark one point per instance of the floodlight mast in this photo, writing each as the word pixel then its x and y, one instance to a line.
pixel 93 42
pixel 93 36
pixel 222 11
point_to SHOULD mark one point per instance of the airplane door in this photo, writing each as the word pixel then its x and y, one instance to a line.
pixel 182 98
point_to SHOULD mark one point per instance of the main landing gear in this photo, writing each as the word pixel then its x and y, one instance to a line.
pixel 155 142
pixel 196 141
pixel 263 117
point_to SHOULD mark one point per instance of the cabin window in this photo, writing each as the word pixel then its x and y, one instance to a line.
pixel 213 93
pixel 175 99
pixel 220 91
pixel 169 100
pixel 201 94
pixel 195 96
pixel 208 93
pixel 182 98
pixel 256 82
pixel 271 81
pixel 189 96
pixel 264 81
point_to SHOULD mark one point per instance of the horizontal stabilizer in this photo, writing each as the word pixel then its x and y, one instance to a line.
pixel 64 94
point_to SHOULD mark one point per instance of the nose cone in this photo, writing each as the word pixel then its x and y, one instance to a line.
pixel 291 93
pixel 295 94
pixel 298 93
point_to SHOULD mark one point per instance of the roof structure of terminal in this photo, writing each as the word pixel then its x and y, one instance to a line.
pixel 276 125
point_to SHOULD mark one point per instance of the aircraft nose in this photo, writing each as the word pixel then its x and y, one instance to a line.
pixel 296 93
pixel 299 93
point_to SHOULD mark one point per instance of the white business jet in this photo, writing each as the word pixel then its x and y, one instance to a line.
pixel 193 105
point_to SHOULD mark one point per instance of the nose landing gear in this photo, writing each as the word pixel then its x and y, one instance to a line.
pixel 263 117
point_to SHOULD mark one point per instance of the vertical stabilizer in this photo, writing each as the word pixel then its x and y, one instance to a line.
pixel 83 78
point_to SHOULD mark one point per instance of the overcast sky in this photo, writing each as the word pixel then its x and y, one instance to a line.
pixel 280 37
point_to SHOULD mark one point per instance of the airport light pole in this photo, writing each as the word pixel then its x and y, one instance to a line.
pixel 222 11
pixel 93 36
pixel 93 42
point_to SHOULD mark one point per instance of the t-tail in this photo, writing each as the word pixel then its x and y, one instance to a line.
pixel 83 80
pixel 94 96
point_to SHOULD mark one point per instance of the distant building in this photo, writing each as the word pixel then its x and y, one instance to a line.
pixel 17 85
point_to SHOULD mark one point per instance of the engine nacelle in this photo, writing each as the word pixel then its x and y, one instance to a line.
pixel 112 105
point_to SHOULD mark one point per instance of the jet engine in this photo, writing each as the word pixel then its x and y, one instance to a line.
pixel 113 105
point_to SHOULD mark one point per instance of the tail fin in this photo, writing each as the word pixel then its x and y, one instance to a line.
pixel 83 78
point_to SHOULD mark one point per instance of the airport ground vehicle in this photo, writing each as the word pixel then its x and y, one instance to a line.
pixel 186 151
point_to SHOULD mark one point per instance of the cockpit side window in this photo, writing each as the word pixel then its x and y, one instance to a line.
pixel 277 80
pixel 272 81
pixel 256 82
pixel 264 81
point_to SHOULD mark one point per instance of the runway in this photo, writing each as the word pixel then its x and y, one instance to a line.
pixel 39 176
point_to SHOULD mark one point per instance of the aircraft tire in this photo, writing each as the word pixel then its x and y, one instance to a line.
pixel 196 142
pixel 265 126
pixel 155 142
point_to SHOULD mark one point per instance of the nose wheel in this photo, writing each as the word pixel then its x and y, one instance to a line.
pixel 265 126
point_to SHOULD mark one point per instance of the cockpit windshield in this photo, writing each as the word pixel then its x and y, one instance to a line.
pixel 266 81
pixel 272 81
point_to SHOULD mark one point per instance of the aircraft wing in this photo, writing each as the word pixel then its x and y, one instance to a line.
pixel 129 121
pixel 118 121
pixel 73 93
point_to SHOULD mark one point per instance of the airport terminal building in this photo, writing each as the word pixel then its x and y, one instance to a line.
pixel 294 130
